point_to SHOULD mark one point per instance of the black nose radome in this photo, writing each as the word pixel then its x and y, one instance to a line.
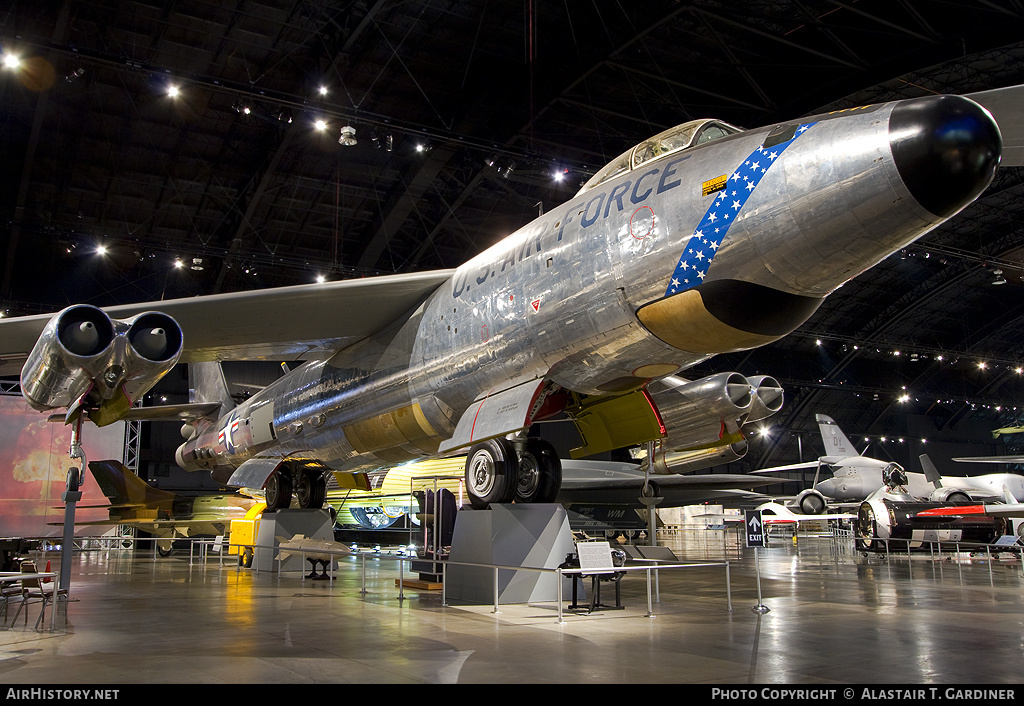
pixel 946 149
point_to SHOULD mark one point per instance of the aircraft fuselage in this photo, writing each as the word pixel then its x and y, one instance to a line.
pixel 720 247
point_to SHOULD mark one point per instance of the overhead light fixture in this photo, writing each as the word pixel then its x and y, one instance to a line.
pixel 172 90
pixel 999 277
pixel 320 124
pixel 197 264
pixel 348 136
pixel 11 61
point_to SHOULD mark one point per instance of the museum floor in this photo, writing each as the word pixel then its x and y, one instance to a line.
pixel 836 617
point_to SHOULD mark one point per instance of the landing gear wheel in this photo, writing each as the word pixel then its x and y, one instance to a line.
pixel 491 473
pixel 540 473
pixel 958 497
pixel 279 490
pixel 311 489
pixel 165 547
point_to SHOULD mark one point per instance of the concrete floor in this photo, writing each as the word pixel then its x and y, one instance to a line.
pixel 836 617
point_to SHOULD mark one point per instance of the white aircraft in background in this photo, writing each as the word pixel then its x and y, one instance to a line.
pixel 855 477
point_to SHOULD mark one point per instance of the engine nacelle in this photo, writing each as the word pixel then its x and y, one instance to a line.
pixel 949 495
pixel 767 397
pixel 882 519
pixel 83 353
pixel 705 412
pixel 810 502
pixel 697 459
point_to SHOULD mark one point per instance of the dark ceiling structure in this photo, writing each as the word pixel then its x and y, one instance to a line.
pixel 445 123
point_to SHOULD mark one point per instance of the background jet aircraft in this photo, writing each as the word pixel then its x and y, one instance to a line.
pixel 701 240
pixel 135 503
pixel 855 477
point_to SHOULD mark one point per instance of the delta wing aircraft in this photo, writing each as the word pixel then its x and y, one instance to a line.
pixel 701 240
pixel 855 477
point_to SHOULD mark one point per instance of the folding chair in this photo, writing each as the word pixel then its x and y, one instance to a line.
pixel 9 590
pixel 34 590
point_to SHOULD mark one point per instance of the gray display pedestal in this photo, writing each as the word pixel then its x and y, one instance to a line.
pixel 285 524
pixel 510 535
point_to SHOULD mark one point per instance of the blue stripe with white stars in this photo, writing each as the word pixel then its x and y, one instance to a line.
pixel 702 246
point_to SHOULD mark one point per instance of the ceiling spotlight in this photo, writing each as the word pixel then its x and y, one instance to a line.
pixel 172 90
pixel 101 249
pixel 178 264
pixel 320 124
pixel 321 279
pixel 197 264
pixel 999 277
pixel 323 90
pixel 348 136
pixel 11 61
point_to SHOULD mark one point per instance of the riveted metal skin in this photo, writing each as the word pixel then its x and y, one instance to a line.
pixel 591 297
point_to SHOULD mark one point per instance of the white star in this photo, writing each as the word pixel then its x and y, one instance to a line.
pixel 714 245
pixel 773 155
pixel 750 186
pixel 756 165
pixel 700 256
pixel 735 176
pixel 712 217
pixel 701 275
pixel 675 283
pixel 698 234
pixel 803 128
pixel 736 205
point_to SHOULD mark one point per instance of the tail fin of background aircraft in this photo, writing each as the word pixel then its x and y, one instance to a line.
pixel 837 446
pixel 124 488
pixel 206 383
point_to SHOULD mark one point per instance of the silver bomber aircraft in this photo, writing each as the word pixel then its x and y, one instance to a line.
pixel 702 240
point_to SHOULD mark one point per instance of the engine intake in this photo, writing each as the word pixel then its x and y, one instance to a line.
pixel 84 356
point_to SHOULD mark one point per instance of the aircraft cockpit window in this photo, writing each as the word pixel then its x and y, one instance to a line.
pixel 695 132
pixel 713 132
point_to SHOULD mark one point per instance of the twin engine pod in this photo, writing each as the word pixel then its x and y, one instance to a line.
pixel 704 417
pixel 83 352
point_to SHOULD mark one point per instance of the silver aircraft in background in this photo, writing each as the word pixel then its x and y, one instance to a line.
pixel 704 239
pixel 855 477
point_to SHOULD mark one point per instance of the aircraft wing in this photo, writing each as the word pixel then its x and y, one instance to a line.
pixel 302 322
pixel 790 467
pixel 990 459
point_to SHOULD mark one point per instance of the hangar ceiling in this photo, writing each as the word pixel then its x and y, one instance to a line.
pixel 463 112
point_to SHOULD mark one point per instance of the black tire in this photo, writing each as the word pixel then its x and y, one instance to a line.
pixel 539 477
pixel 165 547
pixel 245 558
pixel 279 490
pixel 311 488
pixel 491 473
pixel 958 496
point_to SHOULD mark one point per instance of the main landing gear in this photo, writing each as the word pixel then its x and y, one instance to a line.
pixel 503 471
pixel 307 482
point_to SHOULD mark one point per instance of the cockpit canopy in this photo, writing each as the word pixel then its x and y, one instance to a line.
pixel 695 132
